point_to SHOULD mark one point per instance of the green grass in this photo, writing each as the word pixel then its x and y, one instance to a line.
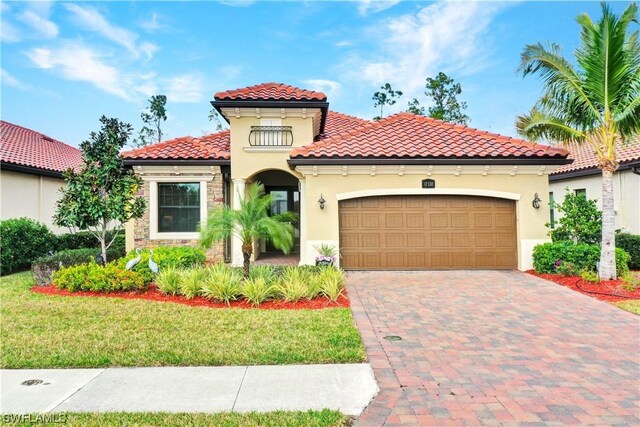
pixel 632 306
pixel 227 419
pixel 42 331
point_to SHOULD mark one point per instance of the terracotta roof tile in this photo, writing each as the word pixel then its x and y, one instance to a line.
pixel 271 92
pixel 411 136
pixel 338 123
pixel 584 156
pixel 26 147
pixel 209 147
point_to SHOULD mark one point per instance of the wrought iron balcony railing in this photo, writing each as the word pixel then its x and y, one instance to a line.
pixel 270 136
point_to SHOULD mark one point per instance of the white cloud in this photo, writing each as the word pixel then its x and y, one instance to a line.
pixel 8 79
pixel 90 19
pixel 445 36
pixel 80 63
pixel 40 24
pixel 186 88
pixel 152 24
pixel 8 32
pixel 330 87
pixel 344 43
pixel 374 6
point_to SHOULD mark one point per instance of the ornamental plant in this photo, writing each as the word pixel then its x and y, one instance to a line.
pixel 580 220
pixel 327 254
pixel 101 195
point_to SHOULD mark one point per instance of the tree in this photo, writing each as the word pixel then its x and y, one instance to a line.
pixel 102 193
pixel 414 107
pixel 214 117
pixel 152 117
pixel 386 96
pixel 443 91
pixel 580 220
pixel 250 223
pixel 595 102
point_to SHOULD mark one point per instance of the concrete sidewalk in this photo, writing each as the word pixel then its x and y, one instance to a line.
pixel 347 388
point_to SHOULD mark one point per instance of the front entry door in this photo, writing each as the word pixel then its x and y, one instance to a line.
pixel 285 199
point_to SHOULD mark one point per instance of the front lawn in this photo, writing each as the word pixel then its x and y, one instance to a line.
pixel 632 305
pixel 43 331
pixel 324 418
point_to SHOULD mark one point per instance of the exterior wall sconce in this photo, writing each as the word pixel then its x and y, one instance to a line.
pixel 321 201
pixel 536 201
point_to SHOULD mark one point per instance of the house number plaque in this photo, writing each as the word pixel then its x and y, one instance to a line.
pixel 428 183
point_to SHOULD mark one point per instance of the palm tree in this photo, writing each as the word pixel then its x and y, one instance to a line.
pixel 597 102
pixel 250 223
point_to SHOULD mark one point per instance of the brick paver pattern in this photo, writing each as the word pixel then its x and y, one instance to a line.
pixel 494 348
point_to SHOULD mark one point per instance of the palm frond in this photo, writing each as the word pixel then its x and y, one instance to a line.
pixel 538 125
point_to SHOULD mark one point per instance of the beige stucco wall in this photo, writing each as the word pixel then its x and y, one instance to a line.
pixel 323 225
pixel 626 193
pixel 32 196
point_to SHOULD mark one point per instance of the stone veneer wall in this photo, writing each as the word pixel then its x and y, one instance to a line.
pixel 215 198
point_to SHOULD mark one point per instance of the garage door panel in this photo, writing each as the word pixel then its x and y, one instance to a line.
pixel 418 232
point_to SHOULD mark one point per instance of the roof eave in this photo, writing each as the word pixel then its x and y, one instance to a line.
pixel 300 161
pixel 30 170
pixel 176 162
pixel 593 170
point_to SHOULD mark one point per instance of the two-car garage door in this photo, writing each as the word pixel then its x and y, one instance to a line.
pixel 428 232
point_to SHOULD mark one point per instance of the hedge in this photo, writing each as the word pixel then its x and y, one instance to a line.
pixel 631 244
pixel 23 240
pixel 571 258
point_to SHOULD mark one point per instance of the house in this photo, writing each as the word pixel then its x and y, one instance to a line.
pixel 583 177
pixel 31 166
pixel 405 192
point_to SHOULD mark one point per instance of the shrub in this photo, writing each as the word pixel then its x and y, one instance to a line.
pixel 257 290
pixel 94 277
pixel 549 257
pixel 168 280
pixel 85 239
pixel 631 282
pixel 580 220
pixel 222 283
pixel 294 284
pixel 590 276
pixel 631 244
pixel 331 282
pixel 165 256
pixel 23 240
pixel 267 272
pixel 567 268
pixel 42 268
pixel 190 282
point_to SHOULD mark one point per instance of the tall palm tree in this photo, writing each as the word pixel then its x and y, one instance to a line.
pixel 250 223
pixel 595 102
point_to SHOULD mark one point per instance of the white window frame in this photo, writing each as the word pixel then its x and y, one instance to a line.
pixel 154 234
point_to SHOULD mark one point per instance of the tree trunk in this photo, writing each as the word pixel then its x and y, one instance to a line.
pixel 246 255
pixel 607 270
pixel 103 243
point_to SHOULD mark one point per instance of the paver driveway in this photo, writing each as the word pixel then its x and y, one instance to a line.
pixel 492 348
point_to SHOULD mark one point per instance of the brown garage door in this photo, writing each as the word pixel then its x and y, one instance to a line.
pixel 422 232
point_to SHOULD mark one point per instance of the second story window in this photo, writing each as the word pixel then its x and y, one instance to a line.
pixel 580 192
pixel 271 133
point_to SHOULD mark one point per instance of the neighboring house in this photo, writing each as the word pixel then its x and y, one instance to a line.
pixel 583 177
pixel 31 173
pixel 406 192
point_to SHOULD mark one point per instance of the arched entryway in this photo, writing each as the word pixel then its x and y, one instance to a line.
pixel 285 194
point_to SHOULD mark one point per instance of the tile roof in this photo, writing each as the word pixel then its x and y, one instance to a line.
pixel 25 147
pixel 208 147
pixel 338 123
pixel 407 135
pixel 271 92
pixel 584 156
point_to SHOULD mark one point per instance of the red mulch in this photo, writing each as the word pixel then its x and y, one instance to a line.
pixel 153 294
pixel 606 290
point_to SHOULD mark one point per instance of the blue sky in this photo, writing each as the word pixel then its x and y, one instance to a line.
pixel 65 64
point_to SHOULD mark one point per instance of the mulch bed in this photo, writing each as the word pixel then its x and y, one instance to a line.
pixel 153 294
pixel 606 290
